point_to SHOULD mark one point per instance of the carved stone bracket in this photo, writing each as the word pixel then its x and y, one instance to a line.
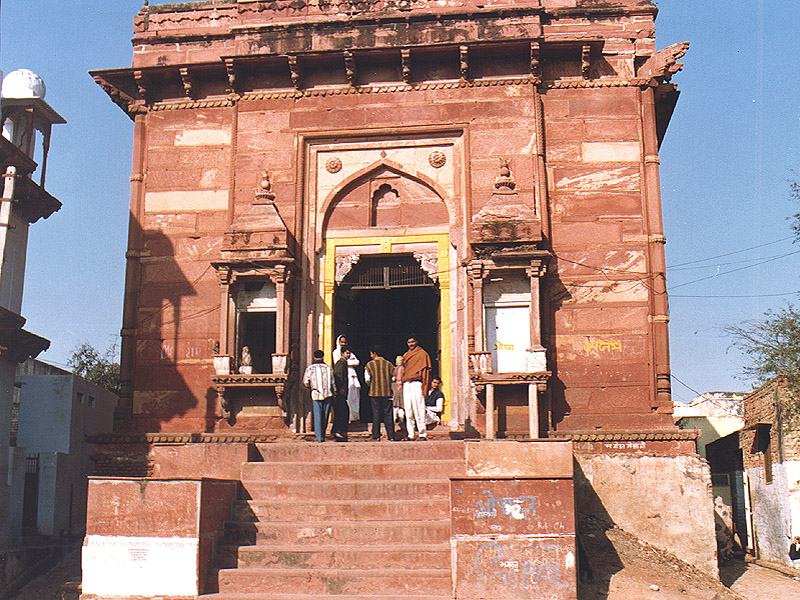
pixel 463 53
pixel 344 264
pixel 230 71
pixel 279 274
pixel 350 67
pixel 586 62
pixel 188 82
pixel 405 58
pixel 537 269
pixel 429 262
pixel 536 70
pixel 142 85
pixel 294 71
pixel 477 271
pixel 663 64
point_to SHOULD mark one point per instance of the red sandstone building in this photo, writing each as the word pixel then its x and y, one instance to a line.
pixel 485 175
pixel 482 174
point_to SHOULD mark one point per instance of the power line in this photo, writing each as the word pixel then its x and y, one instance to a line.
pixel 674 287
pixel 733 262
pixel 686 385
pixel 735 295
pixel 691 262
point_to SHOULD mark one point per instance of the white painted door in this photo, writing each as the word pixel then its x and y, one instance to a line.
pixel 508 336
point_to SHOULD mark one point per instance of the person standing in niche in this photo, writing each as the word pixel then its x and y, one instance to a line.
pixel 378 375
pixel 353 396
pixel 341 411
pixel 416 381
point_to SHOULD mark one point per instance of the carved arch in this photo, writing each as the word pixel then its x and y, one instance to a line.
pixel 376 171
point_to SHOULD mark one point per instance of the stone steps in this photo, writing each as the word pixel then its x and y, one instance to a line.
pixel 245 511
pixel 362 452
pixel 418 556
pixel 354 489
pixel 392 470
pixel 367 520
pixel 335 582
pixel 333 532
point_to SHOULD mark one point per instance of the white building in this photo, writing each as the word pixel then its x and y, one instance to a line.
pixel 26 122
pixel 57 411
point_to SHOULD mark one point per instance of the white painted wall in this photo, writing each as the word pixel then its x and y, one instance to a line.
pixel 771 513
pixel 54 423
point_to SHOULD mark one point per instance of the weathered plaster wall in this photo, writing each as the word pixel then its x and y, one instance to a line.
pixel 665 501
pixel 771 513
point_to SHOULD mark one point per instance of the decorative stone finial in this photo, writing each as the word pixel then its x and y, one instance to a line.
pixel 264 193
pixel 504 179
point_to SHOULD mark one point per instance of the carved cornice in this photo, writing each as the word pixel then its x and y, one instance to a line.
pixel 179 105
pixel 510 378
pixel 182 438
pixel 384 89
pixel 629 436
pixel 253 380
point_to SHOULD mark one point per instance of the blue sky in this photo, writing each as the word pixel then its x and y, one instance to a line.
pixel 725 168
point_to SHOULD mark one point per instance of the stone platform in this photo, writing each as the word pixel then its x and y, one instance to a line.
pixel 368 520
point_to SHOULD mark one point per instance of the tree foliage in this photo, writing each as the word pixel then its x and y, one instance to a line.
pixel 99 369
pixel 773 343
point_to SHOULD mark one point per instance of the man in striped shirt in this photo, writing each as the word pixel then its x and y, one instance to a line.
pixel 319 379
pixel 378 375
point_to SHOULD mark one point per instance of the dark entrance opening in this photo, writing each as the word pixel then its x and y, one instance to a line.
pixel 383 300
pixel 257 332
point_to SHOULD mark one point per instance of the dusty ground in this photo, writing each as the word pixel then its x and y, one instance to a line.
pixel 622 568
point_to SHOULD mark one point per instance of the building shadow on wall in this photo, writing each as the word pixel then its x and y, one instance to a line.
pixel 598 560
pixel 169 329
pixel 557 295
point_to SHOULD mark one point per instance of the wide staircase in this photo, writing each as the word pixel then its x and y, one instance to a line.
pixel 365 520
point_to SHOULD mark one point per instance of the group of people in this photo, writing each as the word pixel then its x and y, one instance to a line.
pixel 404 392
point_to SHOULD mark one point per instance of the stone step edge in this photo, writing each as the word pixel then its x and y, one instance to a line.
pixel 329 523
pixel 348 481
pixel 297 571
pixel 408 547
pixel 371 462
pixel 271 596
pixel 334 502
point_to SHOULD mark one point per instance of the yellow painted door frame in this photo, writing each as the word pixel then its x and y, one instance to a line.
pixel 387 246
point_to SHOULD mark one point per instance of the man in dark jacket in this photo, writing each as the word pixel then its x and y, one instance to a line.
pixel 341 412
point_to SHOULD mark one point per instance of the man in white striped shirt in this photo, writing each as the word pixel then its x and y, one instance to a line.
pixel 319 379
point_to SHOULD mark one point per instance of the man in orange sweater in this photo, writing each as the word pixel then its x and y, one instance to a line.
pixel 416 381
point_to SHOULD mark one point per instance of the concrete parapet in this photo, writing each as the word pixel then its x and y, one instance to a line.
pixel 664 501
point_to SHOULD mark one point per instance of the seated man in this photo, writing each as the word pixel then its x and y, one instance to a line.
pixel 434 403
